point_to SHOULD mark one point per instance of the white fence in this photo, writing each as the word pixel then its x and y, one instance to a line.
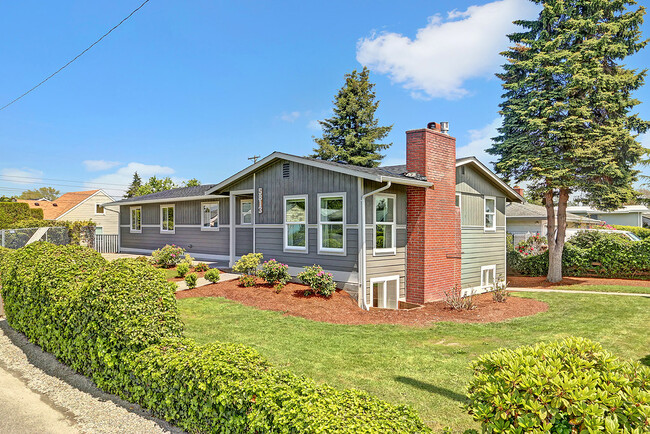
pixel 105 243
pixel 17 238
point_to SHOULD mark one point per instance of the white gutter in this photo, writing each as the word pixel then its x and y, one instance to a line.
pixel 204 198
pixel 362 225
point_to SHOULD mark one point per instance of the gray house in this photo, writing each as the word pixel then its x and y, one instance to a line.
pixel 389 234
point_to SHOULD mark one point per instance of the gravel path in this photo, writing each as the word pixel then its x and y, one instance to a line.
pixel 66 399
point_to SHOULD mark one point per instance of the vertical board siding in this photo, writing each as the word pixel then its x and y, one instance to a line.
pixel 473 207
pixel 479 249
pixel 474 182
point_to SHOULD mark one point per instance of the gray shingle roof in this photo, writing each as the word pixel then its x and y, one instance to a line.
pixel 170 194
pixel 528 210
pixel 395 171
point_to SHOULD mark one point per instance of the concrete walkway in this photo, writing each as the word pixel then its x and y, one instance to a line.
pixel 568 291
pixel 225 277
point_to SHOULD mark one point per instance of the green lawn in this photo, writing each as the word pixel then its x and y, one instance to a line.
pixel 606 288
pixel 423 367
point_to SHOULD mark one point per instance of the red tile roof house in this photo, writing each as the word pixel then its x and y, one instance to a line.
pixel 433 224
pixel 80 206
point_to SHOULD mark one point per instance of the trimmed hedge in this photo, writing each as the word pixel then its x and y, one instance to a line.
pixel 561 387
pixel 638 231
pixel 118 323
pixel 11 212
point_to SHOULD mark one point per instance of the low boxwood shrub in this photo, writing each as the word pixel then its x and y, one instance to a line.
pixel 274 272
pixel 248 264
pixel 318 280
pixel 231 388
pixel 182 269
pixel 213 275
pixel 564 386
pixel 191 279
pixel 168 256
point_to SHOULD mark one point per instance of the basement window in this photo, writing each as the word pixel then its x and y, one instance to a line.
pixel 488 274
pixel 384 292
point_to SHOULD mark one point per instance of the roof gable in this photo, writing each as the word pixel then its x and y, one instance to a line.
pixel 490 175
pixel 53 210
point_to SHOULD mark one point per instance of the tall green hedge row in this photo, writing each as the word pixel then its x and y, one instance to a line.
pixel 12 212
pixel 118 323
pixel 640 232
pixel 590 253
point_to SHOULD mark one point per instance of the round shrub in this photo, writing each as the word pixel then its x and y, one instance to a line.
pixel 318 280
pixel 201 266
pixel 168 256
pixel 248 264
pixel 562 386
pixel 274 272
pixel 182 269
pixel 213 275
pixel 191 279
pixel 247 280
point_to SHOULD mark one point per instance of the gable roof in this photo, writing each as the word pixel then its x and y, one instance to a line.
pixel 53 210
pixel 623 210
pixel 379 174
pixel 475 163
pixel 177 194
pixel 530 211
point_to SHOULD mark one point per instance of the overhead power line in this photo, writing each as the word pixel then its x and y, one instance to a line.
pixel 77 56
pixel 37 180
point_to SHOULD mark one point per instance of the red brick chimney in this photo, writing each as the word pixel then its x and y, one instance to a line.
pixel 433 220
pixel 519 190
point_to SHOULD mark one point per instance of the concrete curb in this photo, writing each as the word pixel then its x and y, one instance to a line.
pixel 568 291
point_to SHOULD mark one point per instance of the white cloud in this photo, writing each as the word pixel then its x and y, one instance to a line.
pixel 23 176
pixel 290 117
pixel 117 183
pixel 447 52
pixel 99 165
pixel 479 141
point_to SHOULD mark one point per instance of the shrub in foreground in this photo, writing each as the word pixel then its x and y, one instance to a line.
pixel 248 264
pixel 201 266
pixel 191 279
pixel 247 280
pixel 563 386
pixel 318 280
pixel 213 275
pixel 275 272
pixel 182 269
pixel 168 256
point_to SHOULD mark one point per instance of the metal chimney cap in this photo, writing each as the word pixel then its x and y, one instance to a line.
pixel 444 127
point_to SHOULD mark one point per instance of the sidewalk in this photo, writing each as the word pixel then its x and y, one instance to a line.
pixel 225 277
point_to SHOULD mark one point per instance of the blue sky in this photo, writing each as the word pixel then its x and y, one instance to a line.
pixel 192 89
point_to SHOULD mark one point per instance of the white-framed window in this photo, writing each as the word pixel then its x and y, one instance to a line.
pixel 490 213
pixel 384 224
pixel 209 216
pixel 488 275
pixel 99 209
pixel 459 204
pixel 135 222
pixel 295 223
pixel 246 211
pixel 167 219
pixel 99 230
pixel 384 292
pixel 331 223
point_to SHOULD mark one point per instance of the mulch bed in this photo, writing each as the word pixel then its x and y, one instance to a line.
pixel 541 282
pixel 341 308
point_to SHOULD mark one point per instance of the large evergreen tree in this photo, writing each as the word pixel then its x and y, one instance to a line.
pixel 352 134
pixel 567 121
pixel 135 185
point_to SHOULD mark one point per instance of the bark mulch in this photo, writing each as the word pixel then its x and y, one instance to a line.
pixel 341 308
pixel 541 282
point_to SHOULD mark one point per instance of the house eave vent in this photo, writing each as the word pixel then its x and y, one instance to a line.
pixel 286 170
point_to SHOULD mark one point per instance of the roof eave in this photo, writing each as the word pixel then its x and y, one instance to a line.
pixel 167 200
pixel 511 193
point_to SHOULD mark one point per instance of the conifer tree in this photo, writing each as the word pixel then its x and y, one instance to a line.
pixel 134 187
pixel 352 134
pixel 567 122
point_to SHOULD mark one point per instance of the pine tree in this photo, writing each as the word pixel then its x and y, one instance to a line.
pixel 352 134
pixel 135 185
pixel 567 127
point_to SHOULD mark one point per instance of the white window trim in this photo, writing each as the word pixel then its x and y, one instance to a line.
pixel 206 228
pixel 494 275
pixel 131 209
pixel 293 249
pixel 241 212
pixel 325 250
pixel 163 231
pixel 99 213
pixel 390 250
pixel 384 279
pixel 99 227
pixel 494 228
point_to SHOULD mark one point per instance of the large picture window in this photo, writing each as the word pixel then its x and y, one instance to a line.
pixel 295 223
pixel 490 214
pixel 210 216
pixel 167 219
pixel 331 223
pixel 384 224
pixel 136 219
pixel 246 210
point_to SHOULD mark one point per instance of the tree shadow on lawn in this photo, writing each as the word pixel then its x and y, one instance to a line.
pixel 432 389
pixel 645 360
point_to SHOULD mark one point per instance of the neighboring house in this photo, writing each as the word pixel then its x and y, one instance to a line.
pixel 81 205
pixel 427 227
pixel 525 219
pixel 629 215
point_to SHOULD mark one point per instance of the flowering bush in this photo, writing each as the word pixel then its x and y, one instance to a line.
pixel 168 256
pixel 201 266
pixel 318 280
pixel 191 279
pixel 534 245
pixel 247 280
pixel 274 272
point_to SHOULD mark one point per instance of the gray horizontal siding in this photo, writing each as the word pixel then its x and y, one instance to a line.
pixel 480 249
pixel 243 241
pixel 191 239
pixel 187 212
pixel 400 206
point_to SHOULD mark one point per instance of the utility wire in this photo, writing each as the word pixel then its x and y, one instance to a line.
pixel 37 180
pixel 76 57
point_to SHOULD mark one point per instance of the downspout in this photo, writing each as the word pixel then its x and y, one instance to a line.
pixel 362 225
